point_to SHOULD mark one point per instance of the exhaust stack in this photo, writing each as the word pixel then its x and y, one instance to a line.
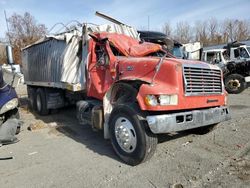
pixel 9 54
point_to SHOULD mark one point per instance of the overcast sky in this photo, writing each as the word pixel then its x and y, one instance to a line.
pixel 131 12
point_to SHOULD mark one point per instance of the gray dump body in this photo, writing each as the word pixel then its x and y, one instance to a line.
pixel 55 62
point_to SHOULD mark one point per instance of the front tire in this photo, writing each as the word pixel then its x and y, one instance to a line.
pixel 235 83
pixel 131 139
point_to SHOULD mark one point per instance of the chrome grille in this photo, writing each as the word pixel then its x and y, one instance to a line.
pixel 199 81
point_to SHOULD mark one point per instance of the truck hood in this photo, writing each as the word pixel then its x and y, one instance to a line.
pixel 143 68
pixel 169 80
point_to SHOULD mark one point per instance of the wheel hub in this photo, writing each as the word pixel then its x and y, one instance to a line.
pixel 125 134
pixel 234 84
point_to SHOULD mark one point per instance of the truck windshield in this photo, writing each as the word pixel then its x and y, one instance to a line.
pixel 243 53
pixel 177 52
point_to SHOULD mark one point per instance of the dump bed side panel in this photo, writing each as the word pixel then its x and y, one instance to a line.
pixel 55 63
pixel 42 62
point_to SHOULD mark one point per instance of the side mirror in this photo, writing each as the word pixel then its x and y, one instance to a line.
pixel 9 54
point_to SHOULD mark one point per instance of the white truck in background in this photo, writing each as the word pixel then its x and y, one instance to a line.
pixel 231 52
pixel 193 50
pixel 234 60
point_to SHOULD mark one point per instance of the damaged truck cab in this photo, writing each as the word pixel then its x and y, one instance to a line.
pixel 134 90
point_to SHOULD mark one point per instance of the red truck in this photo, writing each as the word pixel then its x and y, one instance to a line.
pixel 132 90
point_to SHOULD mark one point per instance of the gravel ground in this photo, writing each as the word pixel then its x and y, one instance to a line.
pixel 62 153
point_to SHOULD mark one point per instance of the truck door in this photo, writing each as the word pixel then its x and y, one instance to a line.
pixel 99 78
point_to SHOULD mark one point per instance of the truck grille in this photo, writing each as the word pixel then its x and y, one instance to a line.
pixel 199 81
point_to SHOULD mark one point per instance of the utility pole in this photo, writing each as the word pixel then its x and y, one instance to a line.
pixel 148 23
pixel 7 25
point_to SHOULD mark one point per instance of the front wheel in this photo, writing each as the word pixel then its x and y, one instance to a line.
pixel 235 83
pixel 131 139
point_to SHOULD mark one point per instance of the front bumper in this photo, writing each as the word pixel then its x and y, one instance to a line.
pixel 187 120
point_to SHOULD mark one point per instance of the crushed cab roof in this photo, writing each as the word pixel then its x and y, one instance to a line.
pixel 127 45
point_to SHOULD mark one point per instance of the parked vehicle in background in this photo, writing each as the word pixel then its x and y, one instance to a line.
pixel 181 51
pixel 130 89
pixel 234 60
pixel 9 116
pixel 173 46
pixel 248 49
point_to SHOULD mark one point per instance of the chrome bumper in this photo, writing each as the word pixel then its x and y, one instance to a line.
pixel 187 120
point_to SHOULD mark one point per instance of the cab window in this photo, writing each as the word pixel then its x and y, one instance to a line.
pixel 102 58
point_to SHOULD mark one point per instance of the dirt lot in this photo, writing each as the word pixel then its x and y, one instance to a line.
pixel 62 153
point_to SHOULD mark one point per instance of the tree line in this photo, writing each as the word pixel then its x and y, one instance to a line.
pixel 24 30
pixel 209 31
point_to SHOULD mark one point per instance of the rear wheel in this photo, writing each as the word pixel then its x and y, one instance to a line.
pixel 32 97
pixel 131 139
pixel 235 83
pixel 41 102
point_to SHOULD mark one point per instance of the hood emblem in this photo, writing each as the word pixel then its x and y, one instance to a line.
pixel 130 68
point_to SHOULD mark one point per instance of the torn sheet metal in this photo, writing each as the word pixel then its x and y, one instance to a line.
pixel 129 46
pixel 114 28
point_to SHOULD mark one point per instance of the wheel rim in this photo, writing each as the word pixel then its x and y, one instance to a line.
pixel 234 84
pixel 38 103
pixel 125 134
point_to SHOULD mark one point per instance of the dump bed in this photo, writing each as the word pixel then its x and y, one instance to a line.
pixel 55 61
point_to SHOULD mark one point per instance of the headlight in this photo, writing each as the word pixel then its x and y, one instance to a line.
pixel 151 100
pixel 168 100
pixel 9 105
pixel 163 100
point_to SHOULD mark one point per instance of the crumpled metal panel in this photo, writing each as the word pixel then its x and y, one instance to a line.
pixel 114 28
pixel 129 46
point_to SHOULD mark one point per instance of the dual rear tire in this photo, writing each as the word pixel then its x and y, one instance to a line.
pixel 38 100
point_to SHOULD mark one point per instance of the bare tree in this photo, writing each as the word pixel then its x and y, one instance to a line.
pixel 167 29
pixel 230 28
pixel 201 32
pixel 24 30
pixel 212 30
pixel 243 30
pixel 183 32
pixel 2 54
